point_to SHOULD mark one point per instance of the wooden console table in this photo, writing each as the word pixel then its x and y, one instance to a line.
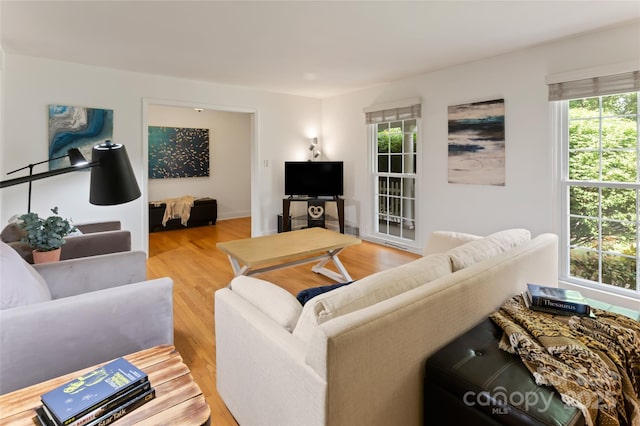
pixel 178 401
pixel 286 207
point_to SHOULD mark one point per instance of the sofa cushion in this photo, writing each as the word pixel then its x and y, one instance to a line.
pixel 20 284
pixel 478 250
pixel 274 301
pixel 442 241
pixel 368 291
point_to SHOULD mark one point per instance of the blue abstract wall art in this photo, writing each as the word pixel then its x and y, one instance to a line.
pixel 77 127
pixel 178 152
pixel 477 143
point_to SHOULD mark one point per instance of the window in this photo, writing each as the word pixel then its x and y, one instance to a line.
pixel 394 146
pixel 600 187
pixel 395 178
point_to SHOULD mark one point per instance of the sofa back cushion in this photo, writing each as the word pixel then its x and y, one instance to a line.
pixel 492 245
pixel 442 241
pixel 368 291
pixel 20 284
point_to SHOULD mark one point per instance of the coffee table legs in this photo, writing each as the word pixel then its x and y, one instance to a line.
pixel 237 269
pixel 332 255
pixel 319 268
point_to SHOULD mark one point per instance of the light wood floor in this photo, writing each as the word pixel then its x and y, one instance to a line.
pixel 198 269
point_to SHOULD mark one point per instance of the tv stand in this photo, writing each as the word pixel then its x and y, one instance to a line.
pixel 286 206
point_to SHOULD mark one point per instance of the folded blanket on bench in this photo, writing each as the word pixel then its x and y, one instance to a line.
pixel 177 208
pixel 594 363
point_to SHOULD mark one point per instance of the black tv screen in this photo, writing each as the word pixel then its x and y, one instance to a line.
pixel 313 178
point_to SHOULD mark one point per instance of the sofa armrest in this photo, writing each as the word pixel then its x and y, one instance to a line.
pixel 76 276
pixel 95 244
pixel 255 352
pixel 91 227
pixel 48 339
pixel 274 301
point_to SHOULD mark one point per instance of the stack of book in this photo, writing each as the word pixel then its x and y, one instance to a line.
pixel 558 301
pixel 97 398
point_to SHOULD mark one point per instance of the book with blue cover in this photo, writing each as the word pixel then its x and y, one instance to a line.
pixel 557 300
pixel 90 391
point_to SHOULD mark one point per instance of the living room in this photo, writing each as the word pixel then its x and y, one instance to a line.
pixel 284 124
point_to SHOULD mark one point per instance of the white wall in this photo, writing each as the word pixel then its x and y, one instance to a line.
pixel 529 197
pixel 229 180
pixel 30 84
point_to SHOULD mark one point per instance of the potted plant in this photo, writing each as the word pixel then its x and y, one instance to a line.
pixel 45 236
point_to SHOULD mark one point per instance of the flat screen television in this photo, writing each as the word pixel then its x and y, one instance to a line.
pixel 313 178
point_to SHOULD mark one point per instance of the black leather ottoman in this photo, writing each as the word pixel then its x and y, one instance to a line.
pixel 471 381
pixel 204 212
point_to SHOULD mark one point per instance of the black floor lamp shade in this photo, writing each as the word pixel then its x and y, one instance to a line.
pixel 113 182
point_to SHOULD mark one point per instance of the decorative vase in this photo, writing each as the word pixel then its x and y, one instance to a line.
pixel 46 256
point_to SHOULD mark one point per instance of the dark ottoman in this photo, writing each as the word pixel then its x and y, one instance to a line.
pixel 471 381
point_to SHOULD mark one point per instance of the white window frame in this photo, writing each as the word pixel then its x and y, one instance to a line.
pixel 400 110
pixel 404 243
pixel 560 110
pixel 415 245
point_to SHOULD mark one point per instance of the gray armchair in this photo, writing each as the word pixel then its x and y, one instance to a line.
pixel 59 317
pixel 94 238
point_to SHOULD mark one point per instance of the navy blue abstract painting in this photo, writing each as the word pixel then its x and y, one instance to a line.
pixel 477 143
pixel 177 152
pixel 76 127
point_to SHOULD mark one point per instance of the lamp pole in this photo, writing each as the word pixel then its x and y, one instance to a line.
pixel 31 176
pixel 112 178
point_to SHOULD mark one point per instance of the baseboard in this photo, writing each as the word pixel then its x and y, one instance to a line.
pixel 233 214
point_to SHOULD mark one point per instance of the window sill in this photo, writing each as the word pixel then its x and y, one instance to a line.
pixel 602 296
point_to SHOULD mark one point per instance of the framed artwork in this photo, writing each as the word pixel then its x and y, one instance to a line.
pixel 477 143
pixel 76 127
pixel 178 152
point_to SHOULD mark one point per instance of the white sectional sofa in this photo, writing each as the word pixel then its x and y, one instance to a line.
pixel 355 355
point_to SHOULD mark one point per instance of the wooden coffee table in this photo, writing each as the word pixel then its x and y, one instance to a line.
pixel 289 249
pixel 178 401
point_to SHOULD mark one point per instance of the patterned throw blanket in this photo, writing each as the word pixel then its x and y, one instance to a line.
pixel 594 364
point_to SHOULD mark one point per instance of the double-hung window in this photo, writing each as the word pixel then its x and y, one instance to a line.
pixel 394 143
pixel 598 126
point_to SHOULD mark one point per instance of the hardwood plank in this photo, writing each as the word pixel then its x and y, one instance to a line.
pixel 198 268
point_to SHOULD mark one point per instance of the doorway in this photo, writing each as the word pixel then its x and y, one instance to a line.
pixel 232 150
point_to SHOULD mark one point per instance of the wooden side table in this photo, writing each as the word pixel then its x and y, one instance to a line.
pixel 178 401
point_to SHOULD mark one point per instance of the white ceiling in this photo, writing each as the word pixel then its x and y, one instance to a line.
pixel 310 48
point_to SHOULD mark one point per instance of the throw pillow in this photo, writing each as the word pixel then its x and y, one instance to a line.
pixel 20 284
pixel 489 246
pixel 275 302
pixel 309 293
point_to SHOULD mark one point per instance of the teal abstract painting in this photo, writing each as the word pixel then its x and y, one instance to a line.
pixel 178 152
pixel 77 127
